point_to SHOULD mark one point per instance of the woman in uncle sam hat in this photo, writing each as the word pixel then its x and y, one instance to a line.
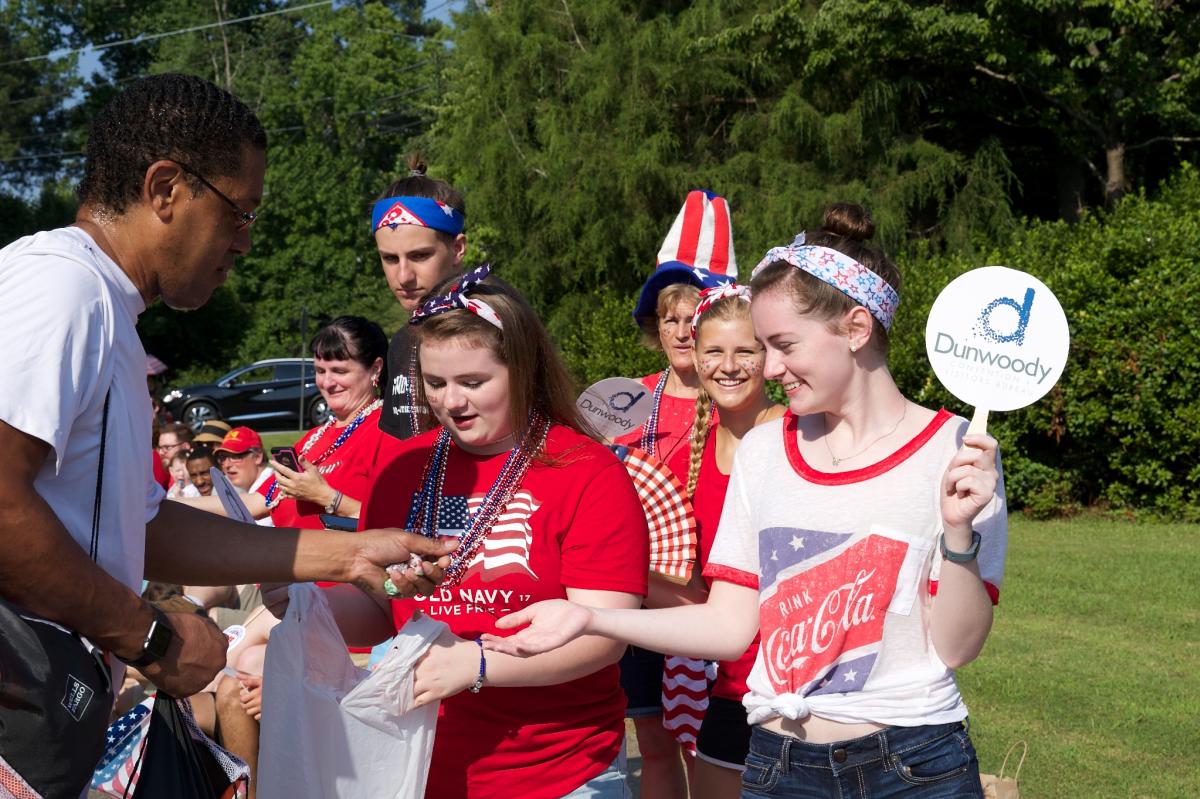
pixel 697 254
pixel 863 536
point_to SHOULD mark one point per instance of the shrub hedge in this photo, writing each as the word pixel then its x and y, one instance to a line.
pixel 1121 430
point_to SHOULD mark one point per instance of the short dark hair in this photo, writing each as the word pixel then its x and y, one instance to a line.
pixel 179 117
pixel 181 431
pixel 352 338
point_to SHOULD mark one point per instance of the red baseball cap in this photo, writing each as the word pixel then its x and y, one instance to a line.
pixel 239 440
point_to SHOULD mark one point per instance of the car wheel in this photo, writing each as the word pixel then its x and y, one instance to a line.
pixel 197 413
pixel 318 412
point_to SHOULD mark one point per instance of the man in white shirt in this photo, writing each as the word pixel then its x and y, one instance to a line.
pixel 173 173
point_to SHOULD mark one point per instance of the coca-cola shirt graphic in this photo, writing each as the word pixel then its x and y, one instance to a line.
pixel 823 601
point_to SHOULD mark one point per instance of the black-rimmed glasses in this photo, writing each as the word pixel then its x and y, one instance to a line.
pixel 245 218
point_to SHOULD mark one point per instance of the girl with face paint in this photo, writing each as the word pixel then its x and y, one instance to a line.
pixel 863 536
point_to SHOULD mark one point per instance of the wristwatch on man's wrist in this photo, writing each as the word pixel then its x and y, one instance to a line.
pixel 154 646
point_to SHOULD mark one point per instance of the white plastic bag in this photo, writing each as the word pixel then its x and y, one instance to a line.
pixel 331 729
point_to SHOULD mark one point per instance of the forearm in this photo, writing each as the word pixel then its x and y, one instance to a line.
pixel 664 593
pixel 46 572
pixel 256 503
pixel 188 546
pixel 362 620
pixel 962 609
pixel 577 659
pixel 719 629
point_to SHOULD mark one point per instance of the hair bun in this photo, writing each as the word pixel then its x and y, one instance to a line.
pixel 849 220
pixel 416 166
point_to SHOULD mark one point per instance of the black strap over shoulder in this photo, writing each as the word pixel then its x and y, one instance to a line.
pixel 95 547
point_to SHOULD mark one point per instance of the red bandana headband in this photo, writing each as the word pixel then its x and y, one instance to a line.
pixel 710 297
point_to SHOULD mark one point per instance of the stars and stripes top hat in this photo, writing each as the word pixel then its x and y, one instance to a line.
pixel 698 250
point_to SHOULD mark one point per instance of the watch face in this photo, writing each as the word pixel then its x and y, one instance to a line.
pixel 159 639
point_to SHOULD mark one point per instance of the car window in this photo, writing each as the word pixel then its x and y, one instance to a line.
pixel 291 371
pixel 259 374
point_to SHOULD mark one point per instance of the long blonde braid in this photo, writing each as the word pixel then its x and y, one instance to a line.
pixel 699 438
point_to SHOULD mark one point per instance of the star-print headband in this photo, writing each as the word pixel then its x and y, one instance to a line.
pixel 840 271
pixel 710 297
pixel 456 299
pixel 419 211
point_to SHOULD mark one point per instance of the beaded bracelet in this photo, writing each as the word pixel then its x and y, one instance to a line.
pixel 482 669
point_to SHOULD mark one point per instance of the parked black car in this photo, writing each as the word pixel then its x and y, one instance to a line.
pixel 264 395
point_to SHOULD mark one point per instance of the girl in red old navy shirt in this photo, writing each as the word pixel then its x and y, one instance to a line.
pixel 542 511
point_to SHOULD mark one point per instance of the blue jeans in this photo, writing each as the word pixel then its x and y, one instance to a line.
pixel 609 784
pixel 930 762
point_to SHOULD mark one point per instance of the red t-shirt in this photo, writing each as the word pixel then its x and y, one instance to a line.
pixel 161 475
pixel 707 502
pixel 673 439
pixel 346 469
pixel 577 524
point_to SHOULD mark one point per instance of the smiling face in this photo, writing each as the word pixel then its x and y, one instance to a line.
pixel 467 388
pixel 199 251
pixel 346 385
pixel 811 361
pixel 729 362
pixel 675 335
pixel 197 469
pixel 415 259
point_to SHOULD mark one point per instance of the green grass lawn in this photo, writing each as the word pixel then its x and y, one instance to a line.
pixel 284 439
pixel 1094 660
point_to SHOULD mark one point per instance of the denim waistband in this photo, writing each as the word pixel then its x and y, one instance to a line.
pixel 853 753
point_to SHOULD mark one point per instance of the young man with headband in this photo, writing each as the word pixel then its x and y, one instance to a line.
pixel 418 226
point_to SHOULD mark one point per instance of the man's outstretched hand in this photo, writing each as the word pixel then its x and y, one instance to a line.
pixel 378 550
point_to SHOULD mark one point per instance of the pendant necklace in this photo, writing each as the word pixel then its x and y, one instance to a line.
pixel 838 461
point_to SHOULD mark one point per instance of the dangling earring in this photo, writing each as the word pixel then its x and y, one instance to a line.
pixel 375 380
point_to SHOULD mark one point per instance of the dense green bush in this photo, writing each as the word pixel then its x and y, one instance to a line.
pixel 1122 428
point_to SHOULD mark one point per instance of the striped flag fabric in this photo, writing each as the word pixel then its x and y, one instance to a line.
pixel 685 696
pixel 505 550
pixel 117 772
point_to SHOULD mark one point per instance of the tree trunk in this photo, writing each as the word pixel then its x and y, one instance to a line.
pixel 1117 183
pixel 1070 188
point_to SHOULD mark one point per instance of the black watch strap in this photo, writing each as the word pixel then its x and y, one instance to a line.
pixel 158 639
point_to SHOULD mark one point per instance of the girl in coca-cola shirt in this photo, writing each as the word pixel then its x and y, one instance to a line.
pixel 862 534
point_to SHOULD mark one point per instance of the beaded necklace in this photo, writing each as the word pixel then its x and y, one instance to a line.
pixel 423 515
pixel 273 493
pixel 649 442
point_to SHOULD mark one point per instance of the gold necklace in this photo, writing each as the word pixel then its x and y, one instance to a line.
pixel 838 461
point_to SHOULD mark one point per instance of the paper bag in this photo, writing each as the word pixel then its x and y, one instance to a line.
pixel 997 786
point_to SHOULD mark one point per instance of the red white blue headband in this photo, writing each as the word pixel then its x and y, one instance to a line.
pixel 710 297
pixel 419 211
pixel 456 299
pixel 840 271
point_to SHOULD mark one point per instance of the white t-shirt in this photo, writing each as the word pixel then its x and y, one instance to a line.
pixel 846 567
pixel 69 316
